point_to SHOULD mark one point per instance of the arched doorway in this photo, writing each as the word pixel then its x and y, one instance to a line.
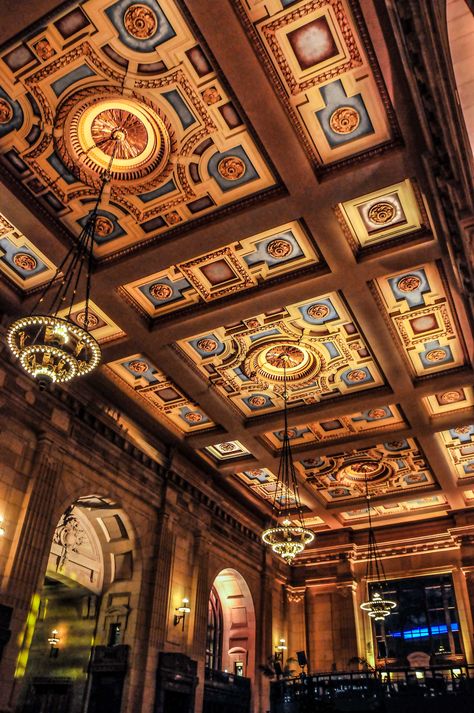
pixel 76 657
pixel 230 645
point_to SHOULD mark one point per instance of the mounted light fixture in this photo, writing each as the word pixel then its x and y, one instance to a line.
pixel 54 349
pixel 183 609
pixel 280 649
pixel 288 537
pixel 2 529
pixel 377 607
pixel 53 641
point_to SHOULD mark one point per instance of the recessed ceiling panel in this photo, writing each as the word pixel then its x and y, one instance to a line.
pixel 459 446
pixel 99 325
pixel 431 503
pixel 450 401
pixel 417 307
pixel 388 468
pixel 132 82
pixel 138 374
pixel 318 340
pixel 392 213
pixel 234 268
pixel 319 57
pixel 20 261
pixel 374 419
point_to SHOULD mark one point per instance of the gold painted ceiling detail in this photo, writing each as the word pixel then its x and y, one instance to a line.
pixel 378 418
pixel 20 261
pixel 99 325
pixel 146 381
pixel 388 468
pixel 320 60
pixel 228 450
pixel 458 443
pixel 417 305
pixel 449 401
pixel 432 503
pixel 393 213
pixel 330 358
pixel 100 72
pixel 229 270
pixel 264 484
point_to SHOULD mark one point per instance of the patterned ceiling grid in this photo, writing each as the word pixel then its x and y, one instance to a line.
pixel 23 265
pixel 137 71
pixel 379 418
pixel 327 357
pixel 225 272
pixel 389 468
pixel 417 306
pixel 421 507
pixel 321 61
pixel 138 374
pixel 458 443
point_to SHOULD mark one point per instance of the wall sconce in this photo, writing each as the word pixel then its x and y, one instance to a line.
pixel 183 609
pixel 280 649
pixel 53 641
pixel 2 529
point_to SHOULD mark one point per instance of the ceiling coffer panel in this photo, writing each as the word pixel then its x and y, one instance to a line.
pixel 104 68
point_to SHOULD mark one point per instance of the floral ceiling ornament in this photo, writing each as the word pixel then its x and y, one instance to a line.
pixel 287 536
pixel 69 535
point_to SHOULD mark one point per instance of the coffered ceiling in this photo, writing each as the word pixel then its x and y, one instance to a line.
pixel 270 198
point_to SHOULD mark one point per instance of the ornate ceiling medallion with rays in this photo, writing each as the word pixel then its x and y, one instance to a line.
pixel 94 122
pixel 267 363
pixel 372 470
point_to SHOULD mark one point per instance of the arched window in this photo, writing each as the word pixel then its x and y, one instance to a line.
pixel 214 632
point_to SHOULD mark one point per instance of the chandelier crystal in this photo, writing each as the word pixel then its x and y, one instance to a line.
pixel 378 606
pixel 287 536
pixel 52 348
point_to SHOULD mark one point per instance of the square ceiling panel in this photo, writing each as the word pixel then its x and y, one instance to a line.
pixel 228 450
pixel 417 306
pixel 138 374
pixel 325 354
pixel 232 269
pixel 450 401
pixel 134 82
pixel 459 447
pixel 388 468
pixel 20 261
pixel 320 60
pixel 99 325
pixel 393 213
pixel 378 418
pixel 264 484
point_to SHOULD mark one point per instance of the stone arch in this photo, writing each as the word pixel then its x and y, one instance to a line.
pixel 239 626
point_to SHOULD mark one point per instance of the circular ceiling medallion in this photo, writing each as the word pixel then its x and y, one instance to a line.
pixel 227 447
pixel 409 283
pixel 318 310
pixel 193 417
pixel 25 261
pixel 376 413
pixel 266 363
pixel 97 123
pixel 255 472
pixel 450 397
pixel 381 213
pixel 103 226
pixel 139 367
pixel 257 401
pixel 6 111
pixel 435 355
pixel 364 469
pixel 462 429
pixel 92 320
pixel 160 291
pixel 356 375
pixel 231 168
pixel 344 120
pixel 207 345
pixel 279 248
pixel 140 21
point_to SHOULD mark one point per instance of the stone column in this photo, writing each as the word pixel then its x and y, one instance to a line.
pixel 153 620
pixel 198 632
pixel 344 625
pixel 26 566
pixel 296 620
pixel 264 632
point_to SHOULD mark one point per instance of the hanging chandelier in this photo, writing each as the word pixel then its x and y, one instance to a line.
pixel 54 349
pixel 288 537
pixel 378 607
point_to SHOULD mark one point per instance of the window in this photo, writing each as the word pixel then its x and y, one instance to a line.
pixel 426 619
pixel 114 634
pixel 214 632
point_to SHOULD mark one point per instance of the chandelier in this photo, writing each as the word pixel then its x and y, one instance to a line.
pixel 288 536
pixel 51 348
pixel 378 607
